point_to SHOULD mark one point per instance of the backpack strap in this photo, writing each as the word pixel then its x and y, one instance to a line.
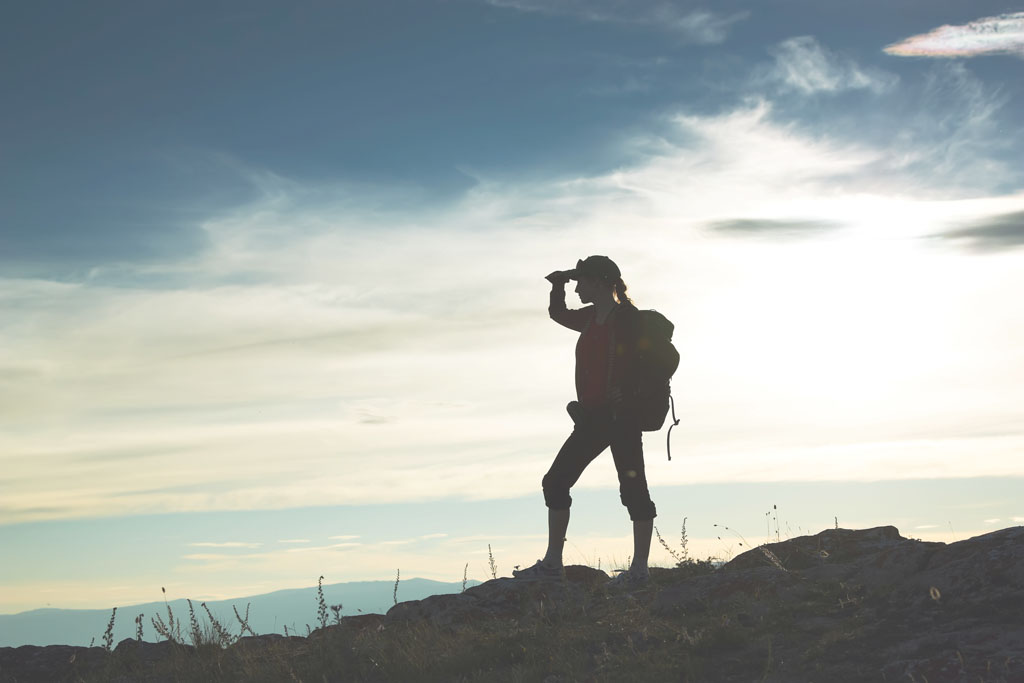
pixel 675 421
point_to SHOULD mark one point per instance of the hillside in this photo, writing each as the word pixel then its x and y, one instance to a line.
pixel 268 612
pixel 841 605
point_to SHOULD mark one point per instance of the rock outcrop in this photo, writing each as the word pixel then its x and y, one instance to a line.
pixel 504 598
pixel 907 609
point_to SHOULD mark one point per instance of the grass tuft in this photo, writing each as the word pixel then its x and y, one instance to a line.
pixel 196 632
pixel 108 635
pixel 171 629
pixel 321 611
pixel 244 622
pixel 224 639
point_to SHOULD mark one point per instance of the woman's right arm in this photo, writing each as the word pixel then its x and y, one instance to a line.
pixel 574 319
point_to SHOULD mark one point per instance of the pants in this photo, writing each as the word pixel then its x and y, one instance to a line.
pixel 588 440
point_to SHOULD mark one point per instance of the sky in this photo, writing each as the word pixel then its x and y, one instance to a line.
pixel 272 296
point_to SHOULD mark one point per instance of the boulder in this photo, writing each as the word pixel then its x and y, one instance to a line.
pixel 49 663
pixel 503 598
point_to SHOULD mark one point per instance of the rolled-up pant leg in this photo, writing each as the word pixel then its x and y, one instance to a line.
pixel 578 451
pixel 627 451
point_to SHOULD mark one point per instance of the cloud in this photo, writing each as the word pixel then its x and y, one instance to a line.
pixel 694 26
pixel 948 131
pixel 437 318
pixel 407 541
pixel 996 233
pixel 368 417
pixel 318 548
pixel 228 544
pixel 954 134
pixel 294 540
pixel 774 228
pixel 1002 34
pixel 994 520
pixel 804 65
pixel 215 557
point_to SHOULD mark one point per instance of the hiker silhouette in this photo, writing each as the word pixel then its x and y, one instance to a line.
pixel 604 412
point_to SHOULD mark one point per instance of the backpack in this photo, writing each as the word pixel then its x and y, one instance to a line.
pixel 655 361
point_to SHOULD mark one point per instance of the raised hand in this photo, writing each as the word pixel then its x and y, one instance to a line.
pixel 559 277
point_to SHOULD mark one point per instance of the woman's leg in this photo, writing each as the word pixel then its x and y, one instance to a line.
pixel 627 451
pixel 558 524
pixel 578 451
pixel 642 531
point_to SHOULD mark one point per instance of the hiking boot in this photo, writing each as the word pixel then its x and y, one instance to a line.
pixel 629 579
pixel 539 571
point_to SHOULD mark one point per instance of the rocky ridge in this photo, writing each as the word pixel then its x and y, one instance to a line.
pixel 841 605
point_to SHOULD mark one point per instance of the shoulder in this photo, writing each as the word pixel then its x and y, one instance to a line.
pixel 628 316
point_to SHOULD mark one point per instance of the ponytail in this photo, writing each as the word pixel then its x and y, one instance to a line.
pixel 620 293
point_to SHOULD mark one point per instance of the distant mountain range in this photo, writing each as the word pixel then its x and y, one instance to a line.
pixel 268 613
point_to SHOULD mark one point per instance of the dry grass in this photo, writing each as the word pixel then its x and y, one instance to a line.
pixel 613 643
pixel 619 639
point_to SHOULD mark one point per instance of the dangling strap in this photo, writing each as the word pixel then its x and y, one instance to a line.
pixel 611 353
pixel 675 421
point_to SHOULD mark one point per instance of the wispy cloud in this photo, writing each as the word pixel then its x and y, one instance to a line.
pixel 956 134
pixel 319 548
pixel 215 557
pixel 804 65
pixel 996 233
pixel 227 544
pixel 994 520
pixel 693 26
pixel 1002 34
pixel 950 130
pixel 774 228
pixel 294 540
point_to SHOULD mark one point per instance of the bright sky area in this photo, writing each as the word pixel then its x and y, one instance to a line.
pixel 272 301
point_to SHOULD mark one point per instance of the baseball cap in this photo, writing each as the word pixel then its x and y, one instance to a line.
pixel 600 267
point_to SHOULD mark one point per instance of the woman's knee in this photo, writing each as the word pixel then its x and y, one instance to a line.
pixel 638 502
pixel 640 510
pixel 556 493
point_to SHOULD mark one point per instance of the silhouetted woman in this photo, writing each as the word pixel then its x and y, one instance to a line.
pixel 602 413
